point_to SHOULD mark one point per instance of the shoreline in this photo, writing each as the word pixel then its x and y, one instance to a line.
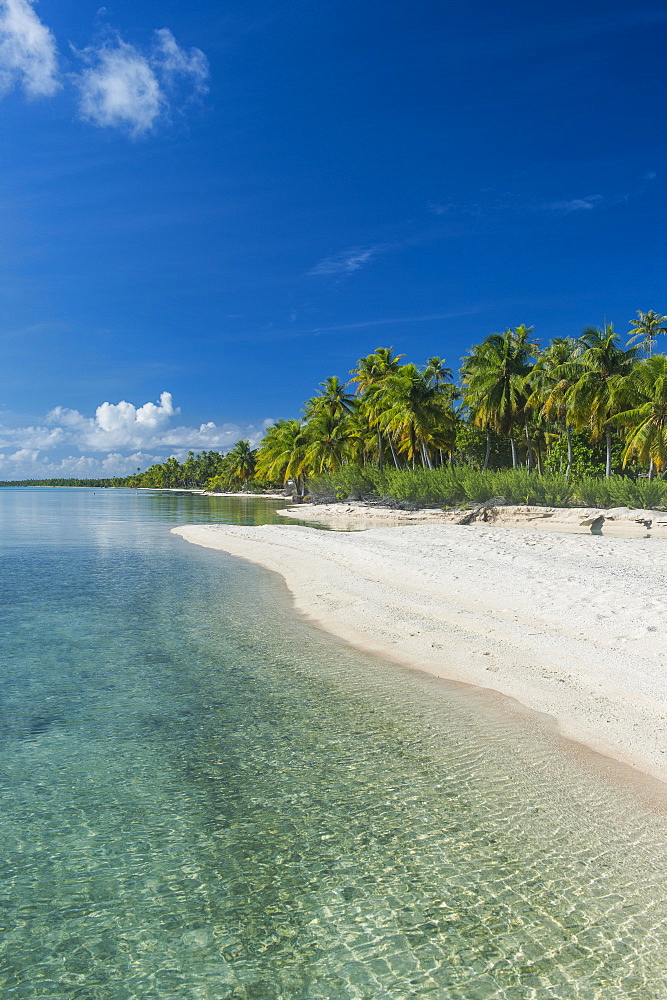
pixel 567 625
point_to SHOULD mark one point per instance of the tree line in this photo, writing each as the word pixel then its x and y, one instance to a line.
pixel 580 406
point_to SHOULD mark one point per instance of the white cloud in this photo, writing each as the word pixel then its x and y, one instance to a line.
pixel 28 56
pixel 125 88
pixel 120 89
pixel 120 85
pixel 115 441
pixel 350 260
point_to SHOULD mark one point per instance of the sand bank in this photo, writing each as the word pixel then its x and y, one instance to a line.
pixel 615 520
pixel 569 625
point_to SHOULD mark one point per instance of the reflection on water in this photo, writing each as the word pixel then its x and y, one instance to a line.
pixel 205 798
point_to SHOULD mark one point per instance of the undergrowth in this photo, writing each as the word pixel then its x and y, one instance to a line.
pixel 458 486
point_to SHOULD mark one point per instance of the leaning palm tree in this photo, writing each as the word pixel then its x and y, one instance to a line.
pixel 646 420
pixel 495 388
pixel 601 391
pixel 645 330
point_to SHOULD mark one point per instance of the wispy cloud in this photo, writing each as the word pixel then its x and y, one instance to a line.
pixel 28 55
pixel 125 88
pixel 174 62
pixel 397 321
pixel 577 204
pixel 119 437
pixel 438 208
pixel 352 259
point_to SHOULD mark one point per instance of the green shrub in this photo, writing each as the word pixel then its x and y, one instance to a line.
pixel 619 491
pixel 457 486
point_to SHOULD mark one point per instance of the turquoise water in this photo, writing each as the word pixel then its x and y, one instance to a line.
pixel 203 797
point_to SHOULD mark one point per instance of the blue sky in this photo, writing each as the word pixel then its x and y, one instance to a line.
pixel 210 207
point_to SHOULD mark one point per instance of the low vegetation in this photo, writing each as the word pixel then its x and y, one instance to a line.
pixel 458 486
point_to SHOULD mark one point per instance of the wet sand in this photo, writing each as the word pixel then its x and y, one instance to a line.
pixel 571 625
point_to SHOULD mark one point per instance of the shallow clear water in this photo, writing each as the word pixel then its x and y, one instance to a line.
pixel 205 798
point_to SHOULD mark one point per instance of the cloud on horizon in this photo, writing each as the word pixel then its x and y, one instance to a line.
pixel 28 52
pixel 121 437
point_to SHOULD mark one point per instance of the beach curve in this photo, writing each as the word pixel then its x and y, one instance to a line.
pixel 570 626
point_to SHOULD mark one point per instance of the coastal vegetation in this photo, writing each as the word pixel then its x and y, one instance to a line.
pixel 100 483
pixel 582 420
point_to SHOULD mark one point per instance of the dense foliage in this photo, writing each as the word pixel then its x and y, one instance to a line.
pixel 578 408
pixel 531 424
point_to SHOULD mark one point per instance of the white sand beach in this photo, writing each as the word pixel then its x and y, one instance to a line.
pixel 572 625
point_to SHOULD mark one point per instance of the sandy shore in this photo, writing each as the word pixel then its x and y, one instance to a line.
pixel 615 520
pixel 570 625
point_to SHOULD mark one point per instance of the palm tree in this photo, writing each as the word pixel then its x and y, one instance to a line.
pixel 332 399
pixel 242 461
pixel 413 412
pixel 436 373
pixel 555 371
pixel 495 389
pixel 646 420
pixel 330 441
pixel 370 373
pixel 601 390
pixel 645 329
pixel 282 453
pixel 375 367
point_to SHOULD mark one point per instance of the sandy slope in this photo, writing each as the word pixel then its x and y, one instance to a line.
pixel 570 625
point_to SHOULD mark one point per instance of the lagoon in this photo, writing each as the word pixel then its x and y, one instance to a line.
pixel 205 797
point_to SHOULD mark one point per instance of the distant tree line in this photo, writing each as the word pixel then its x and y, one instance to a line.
pixel 101 483
pixel 209 470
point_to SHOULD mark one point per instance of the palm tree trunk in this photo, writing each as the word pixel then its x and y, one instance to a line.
pixel 393 454
pixel 651 470
pixel 529 443
pixel 607 429
pixel 540 470
pixel 425 455
pixel 513 444
pixel 380 455
pixel 568 435
pixel 488 450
